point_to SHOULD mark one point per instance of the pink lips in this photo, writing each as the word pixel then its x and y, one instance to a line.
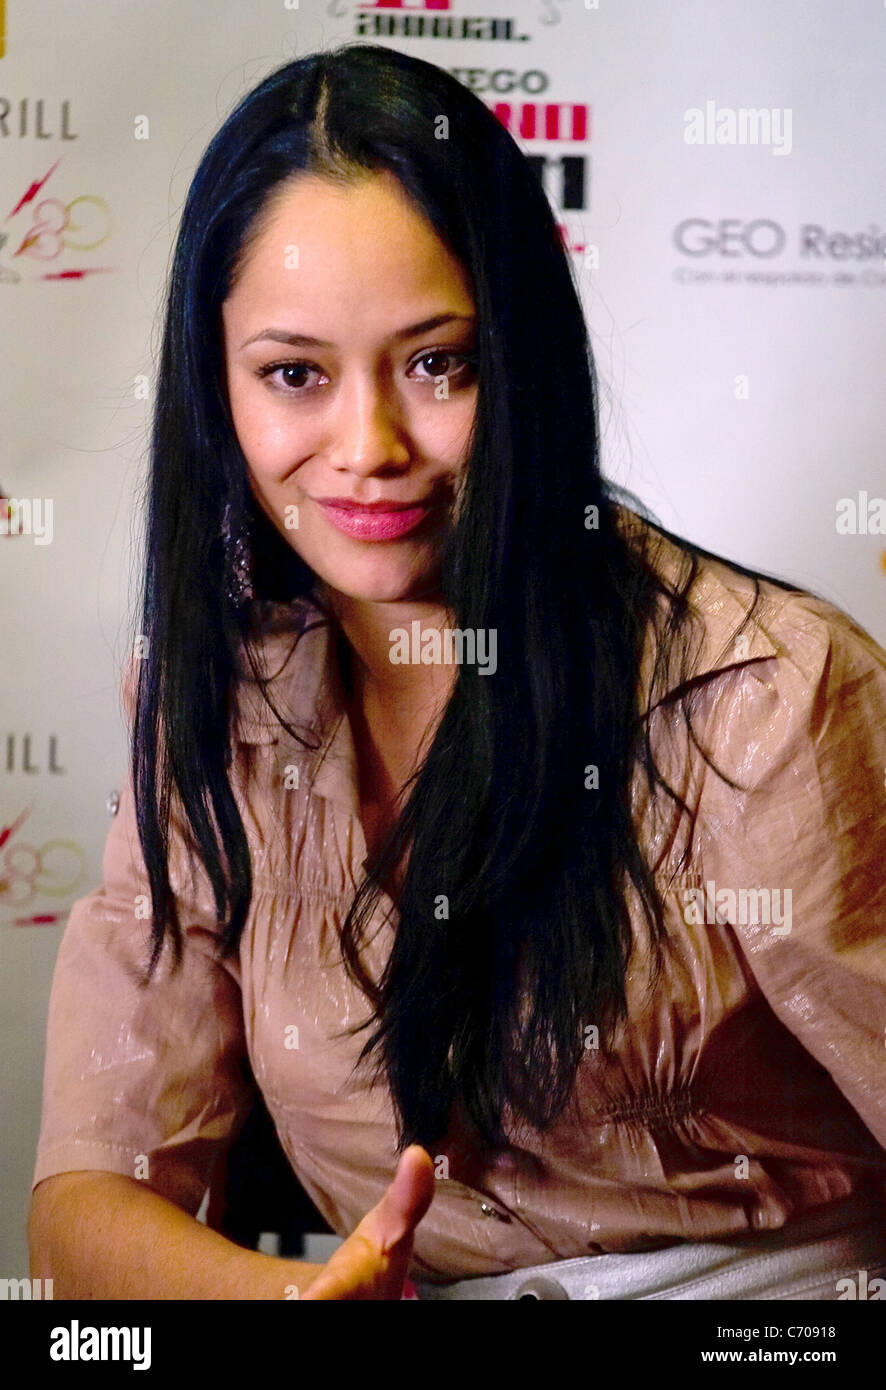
pixel 374 523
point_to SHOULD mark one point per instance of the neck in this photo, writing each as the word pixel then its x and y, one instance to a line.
pixel 400 692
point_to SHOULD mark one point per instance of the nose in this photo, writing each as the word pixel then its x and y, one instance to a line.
pixel 368 432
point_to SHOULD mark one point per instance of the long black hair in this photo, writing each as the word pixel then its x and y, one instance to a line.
pixel 488 1007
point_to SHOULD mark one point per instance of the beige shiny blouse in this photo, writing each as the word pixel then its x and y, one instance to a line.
pixel 750 1087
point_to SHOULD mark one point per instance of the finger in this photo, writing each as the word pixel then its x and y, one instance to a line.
pixel 405 1202
pixel 356 1270
pixel 374 1260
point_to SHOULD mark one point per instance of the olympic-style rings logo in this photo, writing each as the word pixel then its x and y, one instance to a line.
pixel 54 869
pixel 46 238
pixel 83 224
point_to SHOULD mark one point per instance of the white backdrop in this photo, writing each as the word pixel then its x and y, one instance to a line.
pixel 736 291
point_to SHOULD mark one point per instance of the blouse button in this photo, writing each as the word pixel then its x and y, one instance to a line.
pixel 487 1210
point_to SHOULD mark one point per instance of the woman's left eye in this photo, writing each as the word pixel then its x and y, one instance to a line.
pixel 440 360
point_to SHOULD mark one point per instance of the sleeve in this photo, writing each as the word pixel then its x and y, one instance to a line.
pixel 148 1080
pixel 813 828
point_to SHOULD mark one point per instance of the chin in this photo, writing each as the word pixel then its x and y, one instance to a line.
pixel 381 578
pixel 384 584
pixel 382 591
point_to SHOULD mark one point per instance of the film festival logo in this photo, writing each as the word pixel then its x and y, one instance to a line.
pixel 429 19
pixel 564 172
pixel 433 19
pixel 83 224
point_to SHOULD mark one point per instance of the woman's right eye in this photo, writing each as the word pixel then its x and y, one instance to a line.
pixel 295 384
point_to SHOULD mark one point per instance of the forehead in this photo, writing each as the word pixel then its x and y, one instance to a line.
pixel 362 247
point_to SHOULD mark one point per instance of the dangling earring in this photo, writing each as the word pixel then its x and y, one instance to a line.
pixel 238 562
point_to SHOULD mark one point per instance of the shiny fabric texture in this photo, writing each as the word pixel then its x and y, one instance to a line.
pixel 830 1253
pixel 747 1088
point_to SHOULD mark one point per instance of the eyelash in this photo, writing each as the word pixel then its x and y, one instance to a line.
pixel 468 359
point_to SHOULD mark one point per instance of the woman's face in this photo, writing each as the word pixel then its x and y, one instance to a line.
pixel 346 349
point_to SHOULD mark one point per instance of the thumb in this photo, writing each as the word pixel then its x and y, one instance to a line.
pixel 406 1200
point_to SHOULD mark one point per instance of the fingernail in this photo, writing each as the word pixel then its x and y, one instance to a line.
pixel 409 1290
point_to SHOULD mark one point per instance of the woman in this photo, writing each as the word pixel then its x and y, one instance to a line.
pixel 491 824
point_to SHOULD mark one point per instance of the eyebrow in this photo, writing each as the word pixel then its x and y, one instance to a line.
pixel 280 335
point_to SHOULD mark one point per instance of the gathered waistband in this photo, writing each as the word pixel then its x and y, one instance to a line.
pixel 832 1252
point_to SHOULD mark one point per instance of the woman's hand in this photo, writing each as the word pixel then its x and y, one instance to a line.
pixel 372 1263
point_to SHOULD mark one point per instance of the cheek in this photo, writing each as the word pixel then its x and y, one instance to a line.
pixel 456 431
pixel 443 433
pixel 244 415
pixel 264 434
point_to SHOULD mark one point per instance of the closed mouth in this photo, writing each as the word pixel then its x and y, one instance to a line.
pixel 346 504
